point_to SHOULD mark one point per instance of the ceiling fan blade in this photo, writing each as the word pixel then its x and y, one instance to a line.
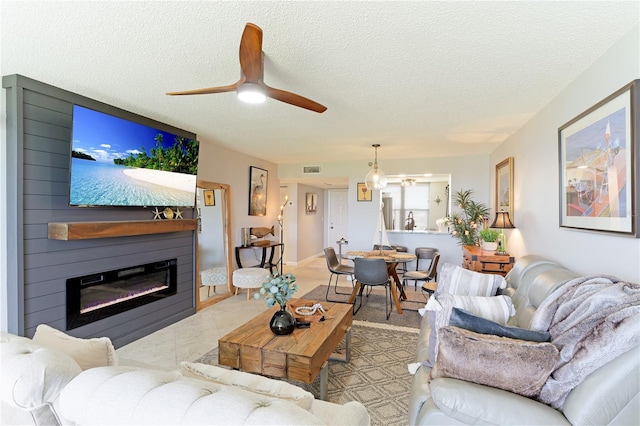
pixel 293 99
pixel 206 91
pixel 251 53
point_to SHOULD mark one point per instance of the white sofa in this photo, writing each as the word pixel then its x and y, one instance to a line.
pixel 44 384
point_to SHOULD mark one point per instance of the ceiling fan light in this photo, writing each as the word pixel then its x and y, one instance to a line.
pixel 251 93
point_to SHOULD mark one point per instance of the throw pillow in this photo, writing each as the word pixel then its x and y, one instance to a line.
pixel 33 375
pixel 250 382
pixel 468 321
pixel 88 353
pixel 517 366
pixel 498 309
pixel 454 279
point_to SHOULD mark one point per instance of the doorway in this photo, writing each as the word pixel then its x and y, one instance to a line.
pixel 338 215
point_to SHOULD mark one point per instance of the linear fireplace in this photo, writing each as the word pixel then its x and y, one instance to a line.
pixel 94 297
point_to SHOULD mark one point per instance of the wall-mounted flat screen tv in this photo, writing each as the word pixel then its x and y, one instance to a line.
pixel 118 162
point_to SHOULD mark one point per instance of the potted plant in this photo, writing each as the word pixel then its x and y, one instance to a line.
pixel 489 239
pixel 464 225
pixel 279 289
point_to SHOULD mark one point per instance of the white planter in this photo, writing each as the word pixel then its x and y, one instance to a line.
pixel 489 246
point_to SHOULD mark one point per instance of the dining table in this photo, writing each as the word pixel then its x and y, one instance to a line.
pixel 392 259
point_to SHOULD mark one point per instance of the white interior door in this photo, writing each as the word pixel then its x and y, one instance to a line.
pixel 338 213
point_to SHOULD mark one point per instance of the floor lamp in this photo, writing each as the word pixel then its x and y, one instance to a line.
pixel 281 223
pixel 502 222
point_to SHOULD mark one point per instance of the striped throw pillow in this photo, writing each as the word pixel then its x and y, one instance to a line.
pixel 457 280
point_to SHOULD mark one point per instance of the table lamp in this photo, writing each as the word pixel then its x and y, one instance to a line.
pixel 502 222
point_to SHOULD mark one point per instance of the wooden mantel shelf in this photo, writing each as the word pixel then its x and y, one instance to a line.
pixel 87 230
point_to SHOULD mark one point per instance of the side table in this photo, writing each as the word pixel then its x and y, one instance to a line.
pixel 488 262
pixel 264 262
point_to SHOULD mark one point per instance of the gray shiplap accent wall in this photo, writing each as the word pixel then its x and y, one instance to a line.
pixel 39 119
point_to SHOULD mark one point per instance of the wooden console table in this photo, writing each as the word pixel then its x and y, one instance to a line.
pixel 264 263
pixel 476 259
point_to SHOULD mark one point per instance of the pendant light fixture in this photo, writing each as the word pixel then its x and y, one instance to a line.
pixel 375 179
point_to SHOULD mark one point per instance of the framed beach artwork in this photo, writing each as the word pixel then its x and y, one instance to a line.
pixel 504 187
pixel 258 180
pixel 598 154
pixel 311 206
pixel 364 193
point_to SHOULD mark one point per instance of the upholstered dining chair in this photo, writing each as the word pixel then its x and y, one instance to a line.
pixel 336 268
pixel 421 273
pixel 372 273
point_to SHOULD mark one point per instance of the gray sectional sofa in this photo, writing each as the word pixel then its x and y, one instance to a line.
pixel 608 395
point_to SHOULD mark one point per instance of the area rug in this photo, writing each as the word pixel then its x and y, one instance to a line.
pixel 373 306
pixel 376 375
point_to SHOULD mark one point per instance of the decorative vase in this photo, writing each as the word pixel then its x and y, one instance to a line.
pixel 489 246
pixel 282 322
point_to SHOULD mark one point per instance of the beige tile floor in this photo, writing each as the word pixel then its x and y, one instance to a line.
pixel 189 339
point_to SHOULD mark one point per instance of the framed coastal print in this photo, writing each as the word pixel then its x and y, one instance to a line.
pixel 258 179
pixel 364 193
pixel 209 197
pixel 504 187
pixel 311 206
pixel 598 156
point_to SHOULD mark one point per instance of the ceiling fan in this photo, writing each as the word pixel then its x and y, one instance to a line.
pixel 251 87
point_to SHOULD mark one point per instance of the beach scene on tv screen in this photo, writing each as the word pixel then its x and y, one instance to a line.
pixel 116 162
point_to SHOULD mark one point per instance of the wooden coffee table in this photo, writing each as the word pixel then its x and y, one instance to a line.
pixel 253 348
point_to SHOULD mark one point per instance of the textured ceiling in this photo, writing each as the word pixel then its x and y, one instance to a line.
pixel 424 78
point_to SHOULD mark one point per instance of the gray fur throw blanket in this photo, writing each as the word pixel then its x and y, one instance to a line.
pixel 592 320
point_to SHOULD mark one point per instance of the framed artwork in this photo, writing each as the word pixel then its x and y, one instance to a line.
pixel 598 155
pixel 258 180
pixel 364 193
pixel 209 197
pixel 311 203
pixel 504 187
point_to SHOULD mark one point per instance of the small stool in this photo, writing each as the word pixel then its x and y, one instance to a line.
pixel 249 278
pixel 212 277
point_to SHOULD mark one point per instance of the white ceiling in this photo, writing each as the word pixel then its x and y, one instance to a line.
pixel 422 78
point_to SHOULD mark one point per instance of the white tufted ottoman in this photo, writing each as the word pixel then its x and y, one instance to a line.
pixel 213 276
pixel 249 278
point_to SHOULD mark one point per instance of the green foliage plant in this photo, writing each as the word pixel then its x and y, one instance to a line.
pixel 489 235
pixel 278 289
pixel 465 224
pixel 181 157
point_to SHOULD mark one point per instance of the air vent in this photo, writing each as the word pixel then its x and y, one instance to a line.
pixel 311 169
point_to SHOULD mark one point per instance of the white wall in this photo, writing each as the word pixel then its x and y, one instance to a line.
pixel 536 193
pixel 466 173
pixel 310 227
pixel 222 165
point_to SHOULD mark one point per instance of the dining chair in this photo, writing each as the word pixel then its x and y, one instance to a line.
pixel 336 268
pixel 371 273
pixel 423 274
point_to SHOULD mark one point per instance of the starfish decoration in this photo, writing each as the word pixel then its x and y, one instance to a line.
pixel 178 213
pixel 156 214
